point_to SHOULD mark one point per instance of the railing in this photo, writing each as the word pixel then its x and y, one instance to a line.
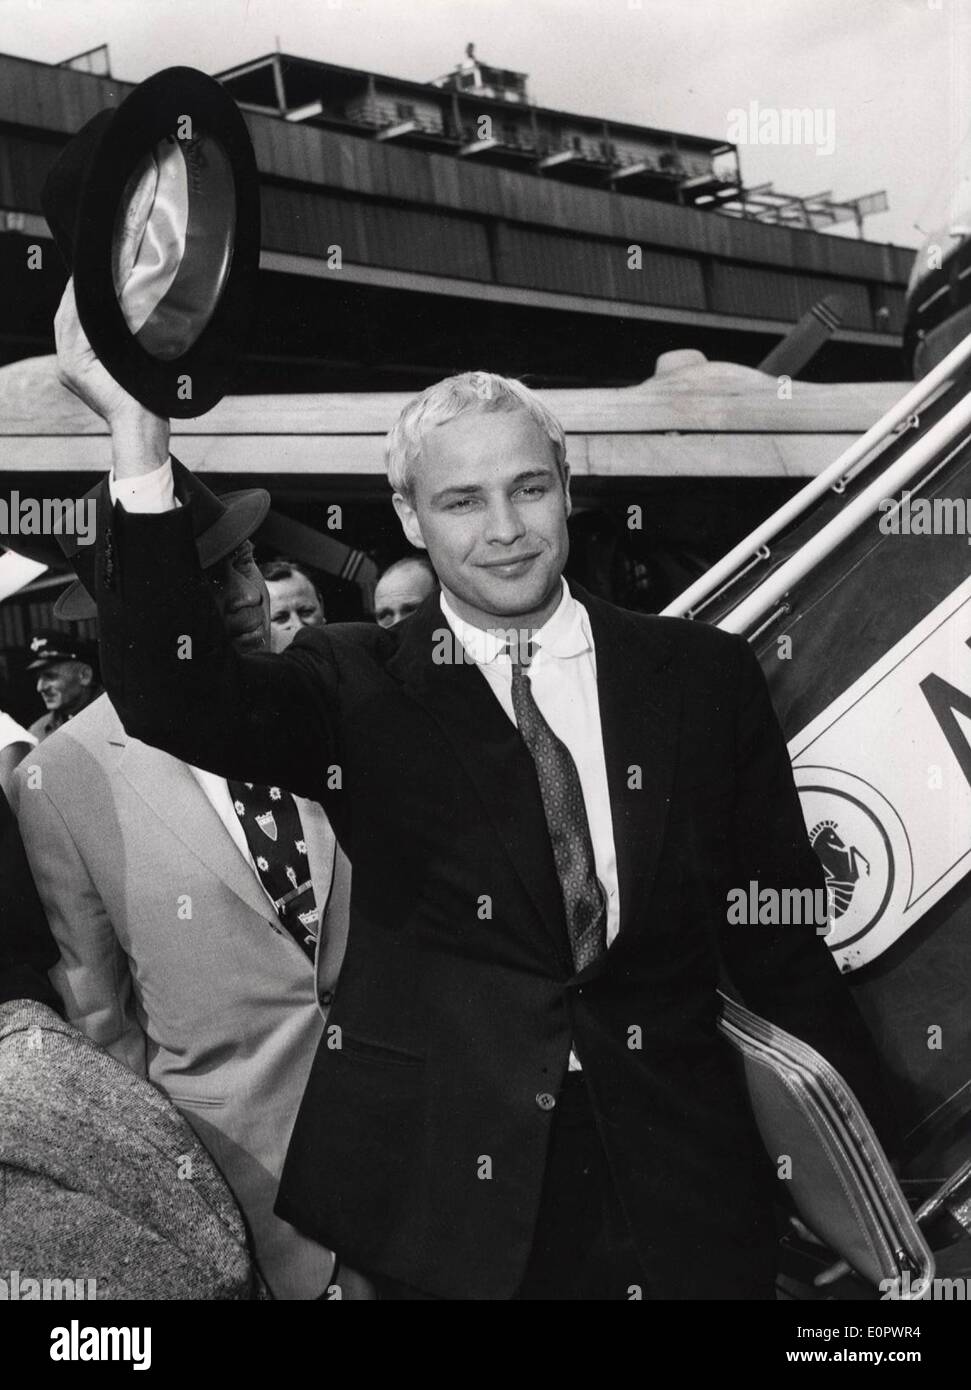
pixel 378 115
pixel 756 546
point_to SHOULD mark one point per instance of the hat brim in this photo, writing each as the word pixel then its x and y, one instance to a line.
pixel 246 511
pixel 152 113
pixel 75 605
pixel 55 660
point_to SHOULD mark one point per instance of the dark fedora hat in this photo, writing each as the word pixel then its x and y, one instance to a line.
pixel 222 522
pixel 155 208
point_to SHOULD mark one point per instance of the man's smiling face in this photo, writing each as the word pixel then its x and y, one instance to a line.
pixel 489 505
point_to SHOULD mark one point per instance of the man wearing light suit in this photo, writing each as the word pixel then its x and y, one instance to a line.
pixel 176 955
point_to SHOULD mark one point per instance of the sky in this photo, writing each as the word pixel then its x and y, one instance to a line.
pixel 889 79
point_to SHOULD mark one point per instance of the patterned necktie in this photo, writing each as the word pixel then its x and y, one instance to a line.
pixel 271 824
pixel 566 818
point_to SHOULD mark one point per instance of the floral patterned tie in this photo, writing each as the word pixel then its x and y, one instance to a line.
pixel 271 824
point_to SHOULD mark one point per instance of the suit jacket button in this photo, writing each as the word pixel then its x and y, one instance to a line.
pixel 326 997
pixel 545 1101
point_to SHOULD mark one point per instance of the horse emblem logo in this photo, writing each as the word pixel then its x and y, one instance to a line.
pixel 861 843
pixel 843 865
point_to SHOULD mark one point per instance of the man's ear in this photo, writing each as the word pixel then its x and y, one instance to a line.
pixel 409 519
pixel 86 674
pixel 566 488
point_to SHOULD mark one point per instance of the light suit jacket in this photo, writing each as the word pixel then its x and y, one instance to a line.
pixel 173 960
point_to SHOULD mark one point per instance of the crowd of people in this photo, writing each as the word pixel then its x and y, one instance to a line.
pixel 101 954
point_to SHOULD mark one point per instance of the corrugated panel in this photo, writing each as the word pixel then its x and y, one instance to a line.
pixel 56 99
pixel 895 301
pixel 739 289
pixel 375 234
pixel 19 102
pixel 565 264
pixel 580 265
pixel 410 175
pixel 24 165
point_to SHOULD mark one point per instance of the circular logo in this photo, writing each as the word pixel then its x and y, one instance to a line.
pixel 862 845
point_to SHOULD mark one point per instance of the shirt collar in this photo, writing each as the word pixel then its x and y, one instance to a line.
pixel 565 633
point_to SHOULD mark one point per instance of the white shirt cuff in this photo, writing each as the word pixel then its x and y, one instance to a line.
pixel 151 492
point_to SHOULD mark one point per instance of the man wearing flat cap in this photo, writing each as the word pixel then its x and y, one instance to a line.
pixel 67 679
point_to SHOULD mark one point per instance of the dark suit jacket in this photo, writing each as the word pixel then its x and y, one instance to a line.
pixel 458 1002
pixel 27 947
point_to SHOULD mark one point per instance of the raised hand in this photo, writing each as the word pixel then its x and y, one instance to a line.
pixel 140 440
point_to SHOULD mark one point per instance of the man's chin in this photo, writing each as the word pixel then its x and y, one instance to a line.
pixel 507 601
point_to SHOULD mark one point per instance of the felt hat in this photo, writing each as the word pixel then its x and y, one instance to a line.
pixel 154 205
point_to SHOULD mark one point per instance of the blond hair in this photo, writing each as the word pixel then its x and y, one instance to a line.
pixel 461 395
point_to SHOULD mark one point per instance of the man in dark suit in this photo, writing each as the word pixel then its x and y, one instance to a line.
pixel 546 801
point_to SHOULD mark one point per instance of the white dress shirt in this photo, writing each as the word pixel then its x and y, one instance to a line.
pixel 563 679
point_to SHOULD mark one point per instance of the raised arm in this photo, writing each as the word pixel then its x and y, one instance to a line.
pixel 168 666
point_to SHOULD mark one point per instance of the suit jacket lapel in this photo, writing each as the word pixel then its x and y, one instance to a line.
pixel 639 699
pixel 173 794
pixel 492 754
pixel 321 845
pixel 640 702
pixel 330 873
